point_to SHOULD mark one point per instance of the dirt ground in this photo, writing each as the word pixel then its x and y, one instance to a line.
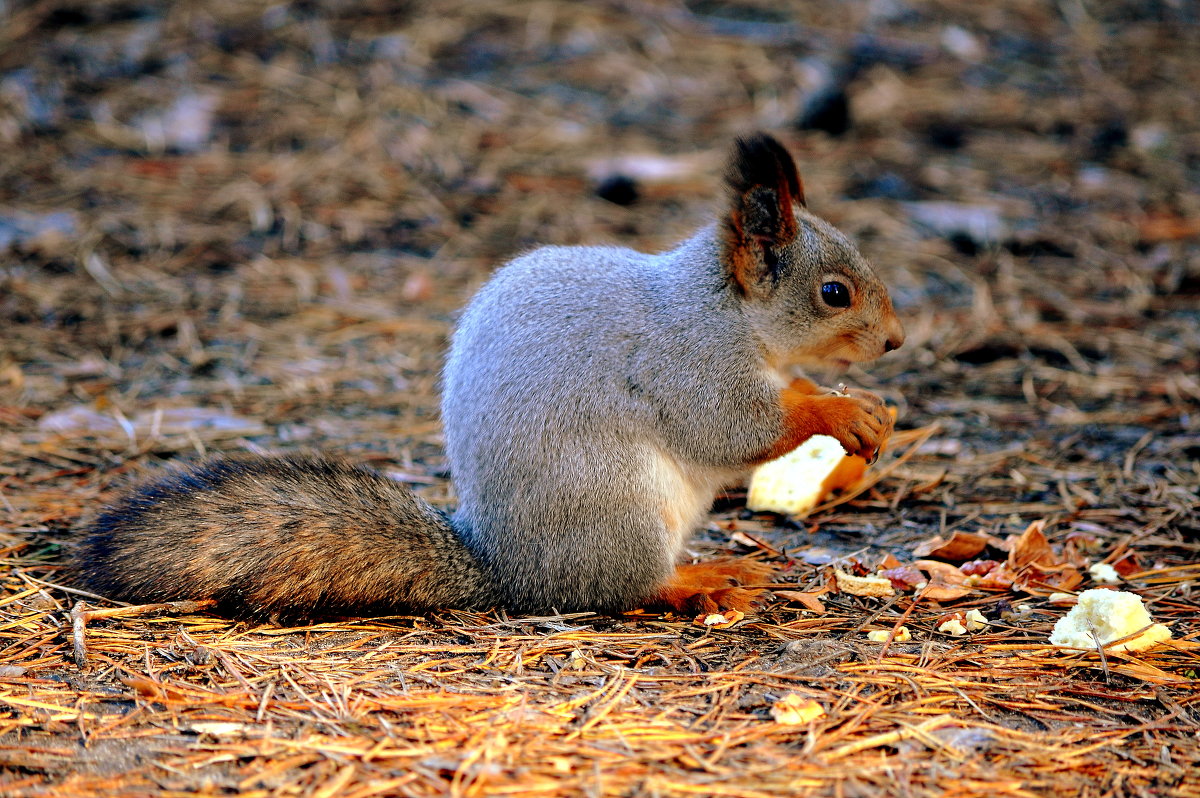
pixel 230 225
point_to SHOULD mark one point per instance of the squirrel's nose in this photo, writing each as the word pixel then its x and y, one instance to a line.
pixel 895 336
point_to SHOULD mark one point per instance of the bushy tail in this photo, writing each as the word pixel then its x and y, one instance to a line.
pixel 287 536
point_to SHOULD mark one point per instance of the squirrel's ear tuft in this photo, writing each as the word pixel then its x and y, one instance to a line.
pixel 763 183
pixel 760 160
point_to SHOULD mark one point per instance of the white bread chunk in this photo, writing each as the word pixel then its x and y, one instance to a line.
pixel 1111 614
pixel 795 483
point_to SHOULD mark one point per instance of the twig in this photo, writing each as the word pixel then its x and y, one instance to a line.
pixel 80 616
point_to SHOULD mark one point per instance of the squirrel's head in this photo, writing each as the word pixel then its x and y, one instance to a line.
pixel 808 292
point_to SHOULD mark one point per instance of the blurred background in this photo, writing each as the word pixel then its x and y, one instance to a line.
pixel 236 224
pixel 232 225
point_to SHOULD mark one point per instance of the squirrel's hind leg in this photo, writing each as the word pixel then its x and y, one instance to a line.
pixel 708 587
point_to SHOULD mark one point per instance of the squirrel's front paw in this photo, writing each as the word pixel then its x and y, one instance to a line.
pixel 859 420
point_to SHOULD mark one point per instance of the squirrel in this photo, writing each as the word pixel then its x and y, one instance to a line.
pixel 595 399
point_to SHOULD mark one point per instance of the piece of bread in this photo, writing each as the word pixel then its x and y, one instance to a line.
pixel 1110 615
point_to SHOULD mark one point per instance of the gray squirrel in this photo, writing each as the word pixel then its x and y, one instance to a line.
pixel 595 400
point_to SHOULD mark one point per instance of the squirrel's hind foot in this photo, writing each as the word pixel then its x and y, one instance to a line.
pixel 709 587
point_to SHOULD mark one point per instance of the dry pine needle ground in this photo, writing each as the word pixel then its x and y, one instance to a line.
pixel 241 225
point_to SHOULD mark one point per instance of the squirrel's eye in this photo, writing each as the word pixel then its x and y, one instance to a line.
pixel 836 295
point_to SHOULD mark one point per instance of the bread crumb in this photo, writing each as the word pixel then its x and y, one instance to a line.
pixel 719 620
pixel 792 710
pixel 954 626
pixel 874 586
pixel 1104 573
pixel 976 621
pixel 1110 615
pixel 881 635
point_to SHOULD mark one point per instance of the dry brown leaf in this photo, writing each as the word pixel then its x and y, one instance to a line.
pixel 936 592
pixel 945 572
pixel 809 599
pixel 945 581
pixel 1036 566
pixel 904 577
pixel 961 546
pixel 1031 547
pixel 1127 564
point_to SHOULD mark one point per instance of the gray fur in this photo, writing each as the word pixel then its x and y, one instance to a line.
pixel 556 395
pixel 595 398
pixel 573 362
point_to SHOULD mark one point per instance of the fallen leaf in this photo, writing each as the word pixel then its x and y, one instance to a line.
pixel 961 546
pixel 719 620
pixel 936 592
pixel 1031 547
pixel 1127 564
pixel 1036 566
pixel 904 577
pixel 809 599
pixel 945 581
pixel 943 571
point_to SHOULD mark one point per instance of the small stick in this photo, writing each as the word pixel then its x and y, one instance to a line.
pixel 1100 651
pixel 81 615
pixel 896 626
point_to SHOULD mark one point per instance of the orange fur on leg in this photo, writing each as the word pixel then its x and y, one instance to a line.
pixel 858 420
pixel 713 586
pixel 803 385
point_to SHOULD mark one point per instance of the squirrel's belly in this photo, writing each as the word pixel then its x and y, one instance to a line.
pixel 684 494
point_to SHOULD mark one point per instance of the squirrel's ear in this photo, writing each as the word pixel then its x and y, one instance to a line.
pixel 763 183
